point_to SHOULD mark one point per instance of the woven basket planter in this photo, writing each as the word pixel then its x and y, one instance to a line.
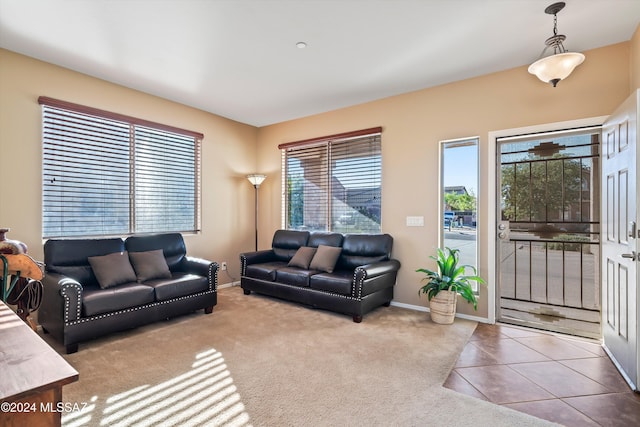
pixel 443 307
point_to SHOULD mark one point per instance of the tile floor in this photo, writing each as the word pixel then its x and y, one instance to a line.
pixel 559 378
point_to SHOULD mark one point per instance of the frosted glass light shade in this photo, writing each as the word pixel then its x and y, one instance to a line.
pixel 554 68
pixel 256 179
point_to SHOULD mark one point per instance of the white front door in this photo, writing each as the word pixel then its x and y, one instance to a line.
pixel 620 238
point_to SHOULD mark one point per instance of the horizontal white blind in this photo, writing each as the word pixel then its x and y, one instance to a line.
pixel 86 175
pixel 308 188
pixel 357 183
pixel 165 184
pixel 334 185
pixel 103 176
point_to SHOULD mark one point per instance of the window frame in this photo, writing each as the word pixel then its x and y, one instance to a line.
pixel 154 133
pixel 444 175
pixel 330 149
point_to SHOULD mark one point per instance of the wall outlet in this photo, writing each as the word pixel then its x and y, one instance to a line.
pixel 223 266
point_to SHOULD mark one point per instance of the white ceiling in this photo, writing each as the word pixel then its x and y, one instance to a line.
pixel 238 58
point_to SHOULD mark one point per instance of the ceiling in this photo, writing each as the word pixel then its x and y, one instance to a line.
pixel 238 58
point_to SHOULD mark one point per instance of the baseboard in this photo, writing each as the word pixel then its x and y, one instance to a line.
pixel 474 318
pixel 395 304
pixel 229 285
pixel 426 309
pixel 409 306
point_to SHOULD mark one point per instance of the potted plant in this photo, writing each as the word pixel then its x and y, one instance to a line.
pixel 444 285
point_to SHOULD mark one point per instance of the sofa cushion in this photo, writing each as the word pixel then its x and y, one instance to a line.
pixel 264 271
pixel 325 258
pixel 68 257
pixel 294 276
pixel 149 265
pixel 303 257
pixel 179 285
pixel 318 238
pixel 112 269
pixel 172 245
pixel 285 243
pixel 338 282
pixel 98 301
pixel 362 249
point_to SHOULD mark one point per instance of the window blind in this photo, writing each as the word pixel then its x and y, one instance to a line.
pixel 166 187
pixel 111 176
pixel 334 183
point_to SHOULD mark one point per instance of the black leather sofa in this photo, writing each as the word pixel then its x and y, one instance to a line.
pixel 362 278
pixel 76 307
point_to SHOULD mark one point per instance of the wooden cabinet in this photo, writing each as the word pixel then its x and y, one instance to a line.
pixel 31 375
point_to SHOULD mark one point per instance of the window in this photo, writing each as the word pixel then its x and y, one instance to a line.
pixel 333 183
pixel 459 199
pixel 108 174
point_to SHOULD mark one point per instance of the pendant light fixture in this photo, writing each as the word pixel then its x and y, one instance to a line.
pixel 560 64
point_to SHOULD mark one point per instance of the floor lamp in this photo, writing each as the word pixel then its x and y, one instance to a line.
pixel 256 180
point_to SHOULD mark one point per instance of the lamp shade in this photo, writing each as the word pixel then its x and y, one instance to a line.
pixel 553 68
pixel 256 179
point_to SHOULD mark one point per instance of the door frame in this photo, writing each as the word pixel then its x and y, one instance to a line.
pixel 492 190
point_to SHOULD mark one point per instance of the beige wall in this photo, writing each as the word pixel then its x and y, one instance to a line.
pixel 414 123
pixel 228 154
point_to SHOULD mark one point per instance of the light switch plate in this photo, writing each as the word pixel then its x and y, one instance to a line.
pixel 415 221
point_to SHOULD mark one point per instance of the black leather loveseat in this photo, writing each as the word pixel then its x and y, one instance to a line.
pixel 93 287
pixel 351 273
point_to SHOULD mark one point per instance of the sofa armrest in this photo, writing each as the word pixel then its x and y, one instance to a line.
pixel 62 296
pixel 256 257
pixel 380 268
pixel 202 267
pixel 370 278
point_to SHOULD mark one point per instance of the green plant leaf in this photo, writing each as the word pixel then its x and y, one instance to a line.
pixel 450 275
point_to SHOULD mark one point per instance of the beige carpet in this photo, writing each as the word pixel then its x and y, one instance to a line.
pixel 258 361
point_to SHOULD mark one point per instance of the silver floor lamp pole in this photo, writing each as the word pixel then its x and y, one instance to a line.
pixel 256 180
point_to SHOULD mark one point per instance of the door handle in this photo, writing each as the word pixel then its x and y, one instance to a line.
pixel 632 255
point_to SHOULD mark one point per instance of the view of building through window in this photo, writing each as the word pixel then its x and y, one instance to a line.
pixel 334 186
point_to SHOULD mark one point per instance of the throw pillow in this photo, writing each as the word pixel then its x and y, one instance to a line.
pixel 325 258
pixel 112 270
pixel 150 265
pixel 303 257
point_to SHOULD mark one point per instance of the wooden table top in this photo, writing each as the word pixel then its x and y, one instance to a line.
pixel 27 363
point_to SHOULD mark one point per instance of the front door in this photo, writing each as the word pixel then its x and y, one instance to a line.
pixel 620 238
pixel 548 242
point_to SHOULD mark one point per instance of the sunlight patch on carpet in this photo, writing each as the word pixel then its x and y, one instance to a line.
pixel 205 394
pixel 82 417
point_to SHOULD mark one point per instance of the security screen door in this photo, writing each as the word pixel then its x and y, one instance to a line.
pixel 548 231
